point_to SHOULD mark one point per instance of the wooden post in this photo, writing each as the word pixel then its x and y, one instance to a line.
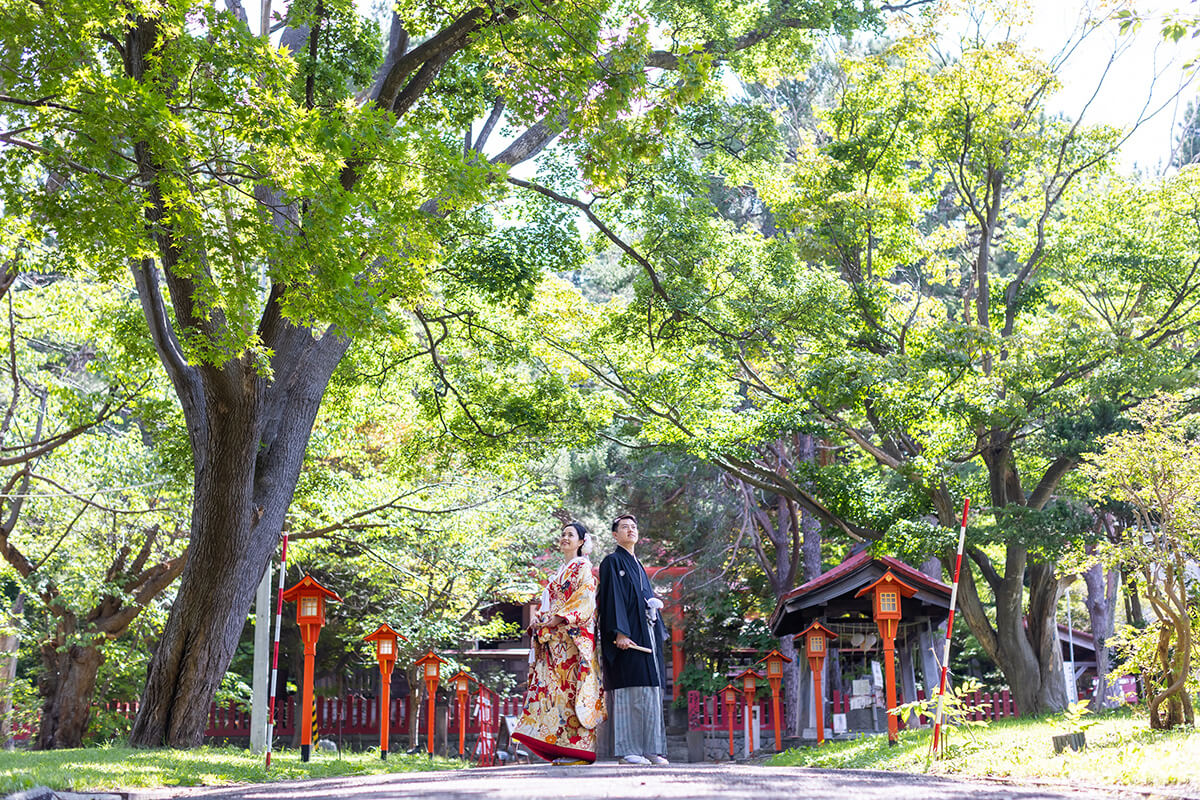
pixel 431 719
pixel 461 682
pixel 730 694
pixel 888 591
pixel 431 666
pixel 310 598
pixel 385 704
pixel 816 639
pixel 775 717
pixel 889 683
pixel 676 657
pixel 775 661
pixel 385 639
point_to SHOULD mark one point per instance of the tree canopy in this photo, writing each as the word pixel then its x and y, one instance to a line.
pixel 838 281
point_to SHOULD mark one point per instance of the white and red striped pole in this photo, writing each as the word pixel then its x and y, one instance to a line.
pixel 275 656
pixel 962 538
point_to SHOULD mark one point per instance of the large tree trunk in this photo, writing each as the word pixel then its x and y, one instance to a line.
pixel 9 645
pixel 1101 605
pixel 1045 590
pixel 66 687
pixel 791 687
pixel 229 541
pixel 810 526
pixel 1013 652
pixel 1023 644
pixel 248 438
pixel 1029 657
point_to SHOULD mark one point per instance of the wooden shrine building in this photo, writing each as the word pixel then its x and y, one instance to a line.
pixel 863 601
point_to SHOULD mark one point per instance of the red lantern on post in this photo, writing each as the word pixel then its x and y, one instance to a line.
pixel 431 667
pixel 385 638
pixel 749 679
pixel 310 598
pixel 730 694
pixel 775 661
pixel 888 591
pixel 461 682
pixel 814 640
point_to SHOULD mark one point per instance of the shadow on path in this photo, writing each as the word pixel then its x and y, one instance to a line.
pixel 613 782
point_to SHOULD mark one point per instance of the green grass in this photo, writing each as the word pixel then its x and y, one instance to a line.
pixel 1121 749
pixel 122 767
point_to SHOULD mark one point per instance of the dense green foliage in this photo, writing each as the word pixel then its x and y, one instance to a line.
pixel 671 258
pixel 1155 471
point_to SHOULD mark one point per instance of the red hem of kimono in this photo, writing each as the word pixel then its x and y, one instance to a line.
pixel 552 751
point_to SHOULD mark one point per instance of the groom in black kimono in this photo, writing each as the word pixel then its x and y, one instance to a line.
pixel 632 634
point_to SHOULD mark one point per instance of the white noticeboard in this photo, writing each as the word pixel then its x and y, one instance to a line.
pixel 1069 677
pixel 839 723
pixel 877 674
pixel 753 731
pixel 862 686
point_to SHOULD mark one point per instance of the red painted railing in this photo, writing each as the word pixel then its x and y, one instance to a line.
pixel 349 716
pixel 707 712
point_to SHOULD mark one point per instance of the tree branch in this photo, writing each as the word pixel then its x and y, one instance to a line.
pixel 1049 482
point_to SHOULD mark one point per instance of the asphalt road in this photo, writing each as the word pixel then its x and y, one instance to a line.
pixel 613 782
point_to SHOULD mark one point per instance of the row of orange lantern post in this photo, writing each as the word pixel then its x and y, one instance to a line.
pixel 814 636
pixel 310 597
pixel 886 593
pixel 431 670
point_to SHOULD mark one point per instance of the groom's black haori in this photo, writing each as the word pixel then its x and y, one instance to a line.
pixel 634 675
pixel 621 604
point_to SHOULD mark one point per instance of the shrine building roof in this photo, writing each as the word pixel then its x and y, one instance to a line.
pixel 831 595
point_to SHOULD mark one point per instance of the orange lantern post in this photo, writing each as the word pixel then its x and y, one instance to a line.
pixel 730 692
pixel 888 590
pixel 310 598
pixel 815 641
pixel 461 682
pixel 431 665
pixel 385 652
pixel 775 661
pixel 749 680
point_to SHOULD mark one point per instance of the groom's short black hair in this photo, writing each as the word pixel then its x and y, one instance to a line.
pixel 617 521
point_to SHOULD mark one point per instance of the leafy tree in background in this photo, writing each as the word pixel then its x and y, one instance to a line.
pixel 90 533
pixel 959 296
pixel 271 204
pixel 1154 468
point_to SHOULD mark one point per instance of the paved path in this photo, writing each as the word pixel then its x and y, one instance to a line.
pixel 613 782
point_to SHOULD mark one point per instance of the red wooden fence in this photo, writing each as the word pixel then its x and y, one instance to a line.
pixel 349 716
pixel 707 712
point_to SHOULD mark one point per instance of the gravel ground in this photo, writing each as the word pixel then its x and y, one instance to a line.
pixel 682 782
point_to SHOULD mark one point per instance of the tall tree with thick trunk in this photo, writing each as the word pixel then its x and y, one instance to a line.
pixel 786 541
pixel 970 325
pixel 273 203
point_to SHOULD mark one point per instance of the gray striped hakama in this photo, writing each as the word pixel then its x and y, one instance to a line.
pixel 637 721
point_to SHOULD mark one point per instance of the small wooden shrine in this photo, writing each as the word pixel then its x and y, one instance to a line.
pixel 883 613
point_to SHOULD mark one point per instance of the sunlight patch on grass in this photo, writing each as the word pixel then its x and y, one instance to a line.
pixel 121 767
pixel 1121 749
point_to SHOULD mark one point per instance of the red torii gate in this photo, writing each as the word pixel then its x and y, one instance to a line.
pixel 673 616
